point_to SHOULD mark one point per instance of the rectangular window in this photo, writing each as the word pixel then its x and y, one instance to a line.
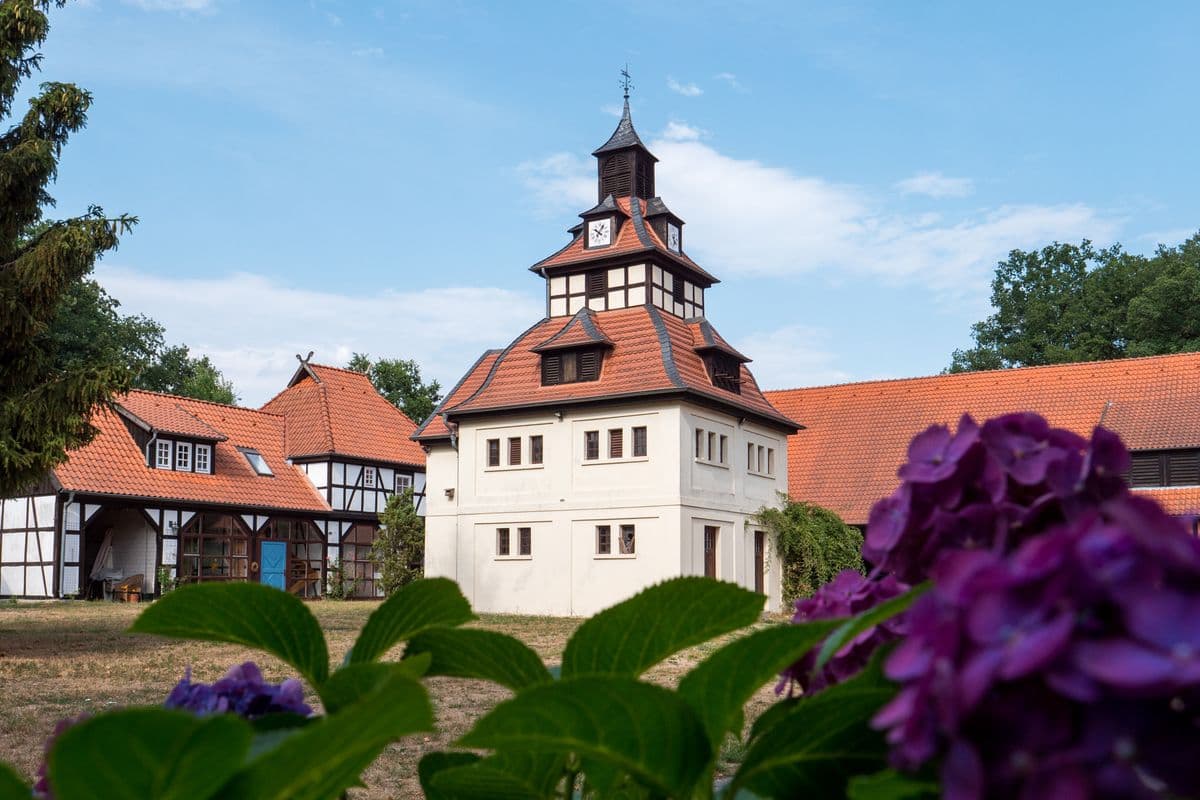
pixel 770 460
pixel 493 452
pixel 639 442
pixel 759 463
pixel 750 458
pixel 616 443
pixel 369 477
pixel 524 541
pixel 162 454
pixel 183 456
pixel 711 455
pixel 535 449
pixel 724 449
pixel 627 542
pixel 257 462
pixel 603 540
pixel 204 458
pixel 403 483
pixel 502 541
pixel 597 283
pixel 591 445
pixel 699 443
pixel 514 450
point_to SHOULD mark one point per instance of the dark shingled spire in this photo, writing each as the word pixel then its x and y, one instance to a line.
pixel 624 136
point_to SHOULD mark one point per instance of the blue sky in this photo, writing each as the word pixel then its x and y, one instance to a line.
pixel 356 176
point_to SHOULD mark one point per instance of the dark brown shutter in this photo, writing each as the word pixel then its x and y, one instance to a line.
pixel 639 442
pixel 1183 468
pixel 524 541
pixel 493 446
pixel 535 449
pixel 597 283
pixel 677 289
pixel 502 541
pixel 551 370
pixel 589 365
pixel 514 450
pixel 591 445
pixel 616 443
pixel 616 176
pixel 1146 470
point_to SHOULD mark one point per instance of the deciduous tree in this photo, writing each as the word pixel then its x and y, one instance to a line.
pixel 399 380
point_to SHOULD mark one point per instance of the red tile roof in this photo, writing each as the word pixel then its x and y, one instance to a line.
pixel 163 413
pixel 856 435
pixel 435 426
pixel 633 236
pixel 653 353
pixel 113 464
pixel 332 411
pixel 581 330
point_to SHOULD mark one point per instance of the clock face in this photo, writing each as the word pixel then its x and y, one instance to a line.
pixel 599 232
pixel 673 237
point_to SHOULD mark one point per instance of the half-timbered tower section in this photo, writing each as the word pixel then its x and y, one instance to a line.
pixel 180 489
pixel 618 441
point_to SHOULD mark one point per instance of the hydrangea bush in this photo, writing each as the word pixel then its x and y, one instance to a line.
pixel 1028 629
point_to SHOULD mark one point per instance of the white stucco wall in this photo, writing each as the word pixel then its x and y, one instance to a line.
pixel 668 495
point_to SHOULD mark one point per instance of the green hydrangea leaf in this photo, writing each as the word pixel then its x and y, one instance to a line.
pixel 474 653
pixel 429 603
pixel 505 776
pixel 12 786
pixel 347 684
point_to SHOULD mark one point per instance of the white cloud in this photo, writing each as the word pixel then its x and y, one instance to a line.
pixel 681 132
pixel 730 80
pixel 794 355
pixel 173 5
pixel 1170 237
pixel 935 184
pixel 685 89
pixel 252 326
pixel 562 181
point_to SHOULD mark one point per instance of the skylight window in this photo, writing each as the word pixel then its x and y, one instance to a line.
pixel 256 461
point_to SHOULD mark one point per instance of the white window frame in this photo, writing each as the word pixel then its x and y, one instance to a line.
pixel 368 477
pixel 403 481
pixel 162 454
pixel 183 456
pixel 206 451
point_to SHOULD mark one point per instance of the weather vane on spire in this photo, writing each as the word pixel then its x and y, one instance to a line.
pixel 626 81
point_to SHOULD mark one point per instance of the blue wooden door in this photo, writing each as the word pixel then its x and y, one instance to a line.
pixel 273 558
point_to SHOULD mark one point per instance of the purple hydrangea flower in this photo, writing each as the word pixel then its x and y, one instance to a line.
pixel 846 595
pixel 1068 668
pixel 242 691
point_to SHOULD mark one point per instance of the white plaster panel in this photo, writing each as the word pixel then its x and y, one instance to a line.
pixel 637 295
pixel 657 274
pixel 35 582
pixel 637 273
pixel 387 477
pixel 249 520
pixel 71 548
pixel 72 516
pixel 558 285
pixel 44 506
pixel 577 283
pixel 12 547
pixel 339 472
pixel 596 304
pixel 70 580
pixel 12 580
pixel 47 541
pixel 153 514
pixel 616 277
pixel 170 551
pixel 419 482
pixel 185 517
pixel 339 497
pixel 353 474
pixel 16 514
pixel 616 299
pixel 558 307
pixel 574 304
pixel 658 297
pixel 668 282
pixel 31 548
pixel 89 511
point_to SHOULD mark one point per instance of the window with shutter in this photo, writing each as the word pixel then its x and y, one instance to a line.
pixel 493 452
pixel 1146 470
pixel 591 445
pixel 1183 468
pixel 589 365
pixel 616 443
pixel 535 449
pixel 514 450
pixel 597 283
pixel 551 369
pixel 639 442
pixel 725 373
pixel 524 541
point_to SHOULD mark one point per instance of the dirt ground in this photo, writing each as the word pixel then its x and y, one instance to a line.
pixel 60 658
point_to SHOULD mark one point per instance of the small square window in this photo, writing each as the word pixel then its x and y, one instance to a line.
pixel 403 483
pixel 162 454
pixel 524 541
pixel 369 477
pixel 627 540
pixel 204 458
pixel 535 449
pixel 603 540
pixel 591 445
pixel 502 543
pixel 639 442
pixel 493 452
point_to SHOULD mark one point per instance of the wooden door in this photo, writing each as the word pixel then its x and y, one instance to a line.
pixel 273 557
pixel 760 547
pixel 710 550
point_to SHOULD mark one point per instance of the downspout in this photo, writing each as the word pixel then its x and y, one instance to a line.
pixel 452 429
pixel 62 537
pixel 150 447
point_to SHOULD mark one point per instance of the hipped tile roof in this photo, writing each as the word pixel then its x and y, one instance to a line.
pixel 332 411
pixel 856 435
pixel 652 353
pixel 164 414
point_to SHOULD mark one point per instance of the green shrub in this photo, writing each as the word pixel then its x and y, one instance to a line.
pixel 812 543
pixel 399 548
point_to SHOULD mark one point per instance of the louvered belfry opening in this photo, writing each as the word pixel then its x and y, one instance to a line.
pixel 725 372
pixel 597 283
pixel 616 175
pixel 1164 468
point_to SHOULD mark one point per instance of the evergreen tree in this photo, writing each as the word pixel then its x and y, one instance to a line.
pixel 45 407
pixel 399 548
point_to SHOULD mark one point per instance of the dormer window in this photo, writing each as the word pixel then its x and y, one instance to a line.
pixel 183 456
pixel 725 372
pixel 257 462
pixel 162 454
pixel 204 458
pixel 599 232
pixel 571 366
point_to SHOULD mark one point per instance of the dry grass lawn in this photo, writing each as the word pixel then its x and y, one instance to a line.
pixel 60 658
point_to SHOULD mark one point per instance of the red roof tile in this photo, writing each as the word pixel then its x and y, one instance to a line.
pixel 652 353
pixel 633 236
pixel 332 411
pixel 113 464
pixel 580 329
pixel 162 412
pixel 856 435
pixel 435 426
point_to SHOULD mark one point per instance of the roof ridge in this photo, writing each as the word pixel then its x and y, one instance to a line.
pixel 492 371
pixel 999 371
pixel 664 345
pixel 328 419
pixel 432 414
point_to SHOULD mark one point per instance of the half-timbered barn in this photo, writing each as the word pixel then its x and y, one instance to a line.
pixel 196 491
pixel 857 434
pixel 618 441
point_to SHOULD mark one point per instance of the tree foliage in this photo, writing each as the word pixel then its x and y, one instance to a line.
pixel 175 371
pixel 399 380
pixel 812 543
pixel 399 548
pixel 45 406
pixel 1068 302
